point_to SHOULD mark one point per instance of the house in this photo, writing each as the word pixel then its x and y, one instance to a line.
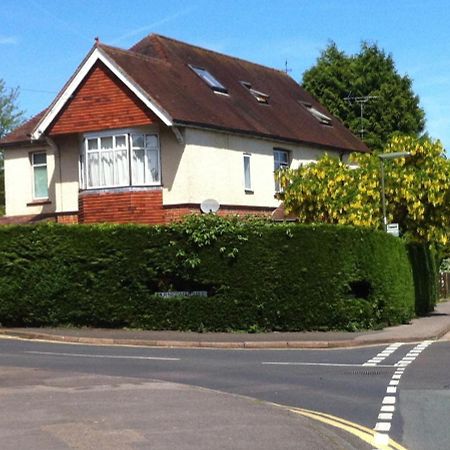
pixel 147 134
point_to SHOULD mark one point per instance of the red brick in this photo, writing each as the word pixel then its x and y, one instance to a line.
pixel 122 207
pixel 101 102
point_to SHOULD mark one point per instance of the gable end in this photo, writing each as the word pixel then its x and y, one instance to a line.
pixel 100 102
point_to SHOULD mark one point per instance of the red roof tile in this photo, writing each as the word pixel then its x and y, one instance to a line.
pixel 23 132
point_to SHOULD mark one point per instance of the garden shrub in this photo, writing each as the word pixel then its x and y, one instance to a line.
pixel 258 275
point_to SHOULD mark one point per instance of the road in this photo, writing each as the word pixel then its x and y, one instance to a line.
pixel 401 391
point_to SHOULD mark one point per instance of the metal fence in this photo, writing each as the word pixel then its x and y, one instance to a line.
pixel 444 284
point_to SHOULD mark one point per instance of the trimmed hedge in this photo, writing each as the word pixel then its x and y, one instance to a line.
pixel 259 276
pixel 425 274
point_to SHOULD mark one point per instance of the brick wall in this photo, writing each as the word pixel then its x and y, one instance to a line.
pixel 134 206
pixel 176 212
pixel 67 218
pixel 101 102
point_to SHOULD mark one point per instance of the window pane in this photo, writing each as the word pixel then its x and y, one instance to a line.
pixel 40 182
pixel 151 141
pixel 210 79
pixel 106 143
pixel 92 144
pixel 121 142
pixel 138 140
pixel 121 164
pixel 93 170
pixel 138 167
pixel 152 165
pixel 39 158
pixel 247 179
pixel 107 169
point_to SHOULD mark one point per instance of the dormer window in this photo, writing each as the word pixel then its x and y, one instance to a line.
pixel 321 117
pixel 209 79
pixel 261 97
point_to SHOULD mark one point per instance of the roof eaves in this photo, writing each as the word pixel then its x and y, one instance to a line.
pixel 267 136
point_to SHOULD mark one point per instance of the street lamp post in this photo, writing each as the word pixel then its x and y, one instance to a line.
pixel 383 157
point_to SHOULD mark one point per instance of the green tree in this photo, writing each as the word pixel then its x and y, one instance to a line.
pixel 417 190
pixel 10 117
pixel 393 106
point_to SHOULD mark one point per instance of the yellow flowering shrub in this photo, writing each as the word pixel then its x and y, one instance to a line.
pixel 417 190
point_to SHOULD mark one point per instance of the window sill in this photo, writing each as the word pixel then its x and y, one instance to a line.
pixel 113 189
pixel 44 201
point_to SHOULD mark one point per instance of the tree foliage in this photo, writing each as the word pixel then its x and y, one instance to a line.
pixel 10 117
pixel 371 72
pixel 417 190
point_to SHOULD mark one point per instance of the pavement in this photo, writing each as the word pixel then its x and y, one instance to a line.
pixel 432 327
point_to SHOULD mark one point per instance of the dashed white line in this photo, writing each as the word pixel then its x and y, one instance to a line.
pixel 389 400
pixel 383 354
pixel 388 404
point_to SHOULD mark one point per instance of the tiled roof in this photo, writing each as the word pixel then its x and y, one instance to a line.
pixel 23 132
pixel 159 66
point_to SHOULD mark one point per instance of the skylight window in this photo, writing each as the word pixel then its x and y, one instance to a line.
pixel 321 117
pixel 261 97
pixel 209 79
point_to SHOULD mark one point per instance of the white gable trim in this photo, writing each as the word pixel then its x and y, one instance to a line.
pixel 97 55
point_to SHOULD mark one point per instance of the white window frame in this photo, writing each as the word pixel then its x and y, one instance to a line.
pixel 33 167
pixel 278 163
pixel 247 158
pixel 84 160
pixel 146 150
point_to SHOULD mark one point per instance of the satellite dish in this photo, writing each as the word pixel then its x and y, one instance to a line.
pixel 209 206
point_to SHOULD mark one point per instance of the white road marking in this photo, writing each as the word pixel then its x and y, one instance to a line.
pixel 275 363
pixel 383 354
pixel 389 400
pixel 85 355
pixel 381 439
pixel 383 426
pixel 387 408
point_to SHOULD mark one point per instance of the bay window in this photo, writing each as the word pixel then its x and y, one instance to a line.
pixel 121 159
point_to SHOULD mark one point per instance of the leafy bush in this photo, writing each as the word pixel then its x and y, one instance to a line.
pixel 258 275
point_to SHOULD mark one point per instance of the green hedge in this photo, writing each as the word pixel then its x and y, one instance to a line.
pixel 425 273
pixel 258 276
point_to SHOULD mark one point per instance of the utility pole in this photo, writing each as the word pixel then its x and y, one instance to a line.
pixel 361 101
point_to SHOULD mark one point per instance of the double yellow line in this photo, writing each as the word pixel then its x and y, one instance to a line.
pixel 363 433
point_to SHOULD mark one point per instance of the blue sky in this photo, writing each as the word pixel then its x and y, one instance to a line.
pixel 43 41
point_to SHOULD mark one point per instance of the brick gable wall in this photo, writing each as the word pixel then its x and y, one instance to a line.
pixel 101 102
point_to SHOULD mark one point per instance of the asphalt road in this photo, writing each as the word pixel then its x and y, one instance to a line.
pixel 401 391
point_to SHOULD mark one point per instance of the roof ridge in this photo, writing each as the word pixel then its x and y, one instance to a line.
pixel 278 71
pixel 133 53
